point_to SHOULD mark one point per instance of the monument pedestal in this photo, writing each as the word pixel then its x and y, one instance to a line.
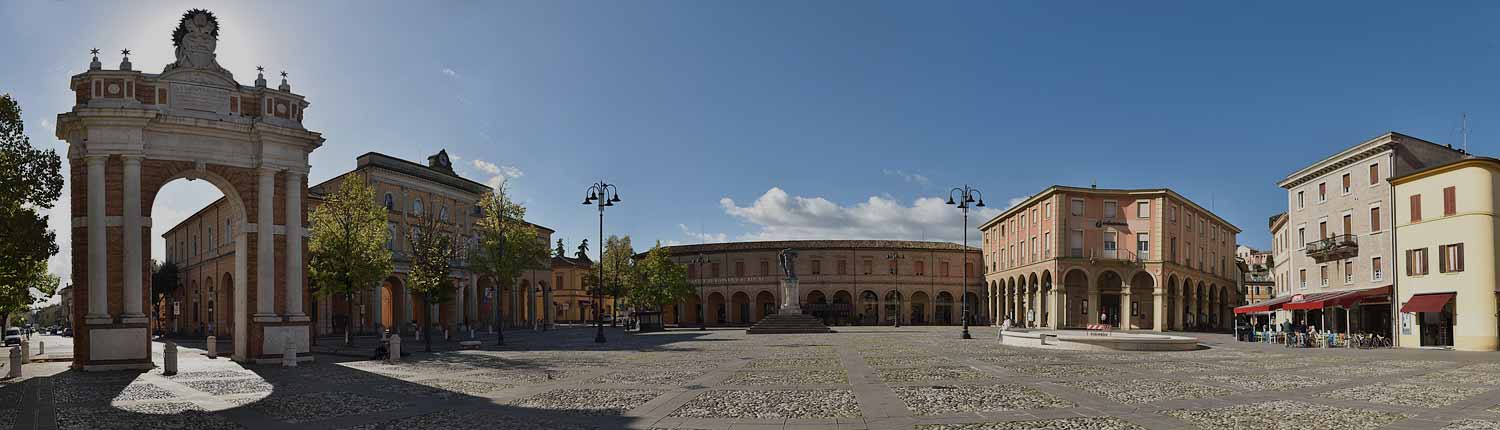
pixel 789 319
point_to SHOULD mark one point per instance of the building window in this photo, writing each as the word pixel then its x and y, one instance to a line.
pixel 1034 249
pixel 1346 182
pixel 1023 220
pixel 390 202
pixel 1077 207
pixel 1172 213
pixel 1450 201
pixel 1033 217
pixel 739 269
pixel 1110 208
pixel 891 266
pixel 1109 242
pixel 1376 273
pixel 1374 174
pixel 1143 209
pixel 943 269
pixel 1416 207
pixel 1302 278
pixel 1451 258
pixel 1200 226
pixel 869 266
pixel 921 268
pixel 842 267
pixel 1416 262
pixel 1301 237
pixel 1142 245
pixel 817 267
pixel 1322 192
pixel 1301 202
pixel 1047 210
pixel 713 269
pixel 228 231
pixel 1348 271
pixel 443 213
pixel 1172 250
pixel 765 268
pixel 1374 219
pixel 1075 244
pixel 416 207
pixel 1348 223
pixel 390 236
pixel 1047 245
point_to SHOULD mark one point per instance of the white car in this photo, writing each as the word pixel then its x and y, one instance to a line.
pixel 13 336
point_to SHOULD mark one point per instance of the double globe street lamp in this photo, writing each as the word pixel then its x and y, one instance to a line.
pixel 702 310
pixel 896 270
pixel 603 195
pixel 965 196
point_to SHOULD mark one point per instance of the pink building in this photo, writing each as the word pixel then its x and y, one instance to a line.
pixel 1134 259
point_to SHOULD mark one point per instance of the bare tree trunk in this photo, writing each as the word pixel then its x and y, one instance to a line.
pixel 427 323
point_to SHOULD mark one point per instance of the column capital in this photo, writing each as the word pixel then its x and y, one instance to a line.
pixel 132 158
pixel 96 158
pixel 268 170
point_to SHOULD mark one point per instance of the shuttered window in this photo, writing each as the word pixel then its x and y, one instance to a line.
pixel 1451 258
pixel 1374 173
pixel 1416 207
pixel 1375 219
pixel 1450 203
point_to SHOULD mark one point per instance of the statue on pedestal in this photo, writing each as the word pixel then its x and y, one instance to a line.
pixel 789 292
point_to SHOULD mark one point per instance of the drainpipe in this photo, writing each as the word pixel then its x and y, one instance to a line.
pixel 1395 279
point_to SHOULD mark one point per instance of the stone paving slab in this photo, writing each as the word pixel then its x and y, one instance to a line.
pixel 864 378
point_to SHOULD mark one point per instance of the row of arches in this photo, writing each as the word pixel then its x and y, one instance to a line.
pixel 1107 297
pixel 835 307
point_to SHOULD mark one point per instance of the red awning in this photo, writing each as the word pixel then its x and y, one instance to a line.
pixel 1427 302
pixel 1317 301
pixel 1264 306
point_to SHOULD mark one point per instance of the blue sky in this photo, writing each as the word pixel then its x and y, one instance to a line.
pixel 781 119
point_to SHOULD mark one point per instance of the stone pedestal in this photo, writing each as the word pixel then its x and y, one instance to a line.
pixel 790 297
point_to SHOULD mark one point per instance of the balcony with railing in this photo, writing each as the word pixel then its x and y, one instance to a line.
pixel 1124 255
pixel 1334 247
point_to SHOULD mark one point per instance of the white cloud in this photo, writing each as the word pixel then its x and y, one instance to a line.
pixel 450 73
pixel 1015 201
pixel 916 178
pixel 497 173
pixel 779 216
pixel 704 237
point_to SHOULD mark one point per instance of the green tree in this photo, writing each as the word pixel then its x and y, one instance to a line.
pixel 619 267
pixel 32 285
pixel 164 280
pixel 32 181
pixel 433 252
pixel 658 281
pixel 504 246
pixel 347 247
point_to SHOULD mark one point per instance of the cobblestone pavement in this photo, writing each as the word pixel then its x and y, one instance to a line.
pixel 859 378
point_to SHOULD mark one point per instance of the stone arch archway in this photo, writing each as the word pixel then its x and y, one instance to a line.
pixel 1142 303
pixel 893 307
pixel 765 304
pixel 129 134
pixel 1050 299
pixel 869 308
pixel 739 309
pixel 718 312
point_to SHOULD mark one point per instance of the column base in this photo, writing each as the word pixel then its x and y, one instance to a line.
pixel 98 320
pixel 133 319
pixel 264 318
pixel 298 318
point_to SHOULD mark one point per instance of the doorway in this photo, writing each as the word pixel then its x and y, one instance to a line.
pixel 1437 327
pixel 1109 309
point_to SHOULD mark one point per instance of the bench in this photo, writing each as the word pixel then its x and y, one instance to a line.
pixel 469 344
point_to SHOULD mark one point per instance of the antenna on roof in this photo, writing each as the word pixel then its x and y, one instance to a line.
pixel 1094 183
pixel 1463 129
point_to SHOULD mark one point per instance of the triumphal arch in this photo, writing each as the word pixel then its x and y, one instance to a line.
pixel 130 133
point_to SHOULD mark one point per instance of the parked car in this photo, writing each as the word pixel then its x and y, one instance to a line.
pixel 67 332
pixel 12 336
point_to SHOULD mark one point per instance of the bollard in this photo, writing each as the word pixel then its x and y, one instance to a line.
pixel 213 347
pixel 445 335
pixel 15 364
pixel 169 359
pixel 25 352
pixel 394 349
pixel 41 347
pixel 419 334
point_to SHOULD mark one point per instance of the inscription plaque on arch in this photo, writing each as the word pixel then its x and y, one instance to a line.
pixel 200 98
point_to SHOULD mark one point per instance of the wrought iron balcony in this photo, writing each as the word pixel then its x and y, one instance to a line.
pixel 1335 247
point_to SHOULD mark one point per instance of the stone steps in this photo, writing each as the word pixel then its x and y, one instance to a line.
pixel 788 324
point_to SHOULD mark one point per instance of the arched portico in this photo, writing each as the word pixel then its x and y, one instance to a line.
pixel 1078 290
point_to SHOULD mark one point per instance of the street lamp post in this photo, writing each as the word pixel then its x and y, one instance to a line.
pixel 702 316
pixel 603 195
pixel 896 257
pixel 965 196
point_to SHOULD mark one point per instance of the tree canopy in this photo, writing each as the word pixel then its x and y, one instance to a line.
pixel 347 247
pixel 32 180
pixel 658 280
pixel 505 245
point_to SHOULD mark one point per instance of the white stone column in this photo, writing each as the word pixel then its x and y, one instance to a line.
pixel 294 265
pixel 1127 321
pixel 1059 307
pixel 473 310
pixel 133 261
pixel 1159 310
pixel 265 267
pixel 98 248
pixel 460 306
pixel 1093 316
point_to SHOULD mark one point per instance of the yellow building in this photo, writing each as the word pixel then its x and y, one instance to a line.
pixel 1446 234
